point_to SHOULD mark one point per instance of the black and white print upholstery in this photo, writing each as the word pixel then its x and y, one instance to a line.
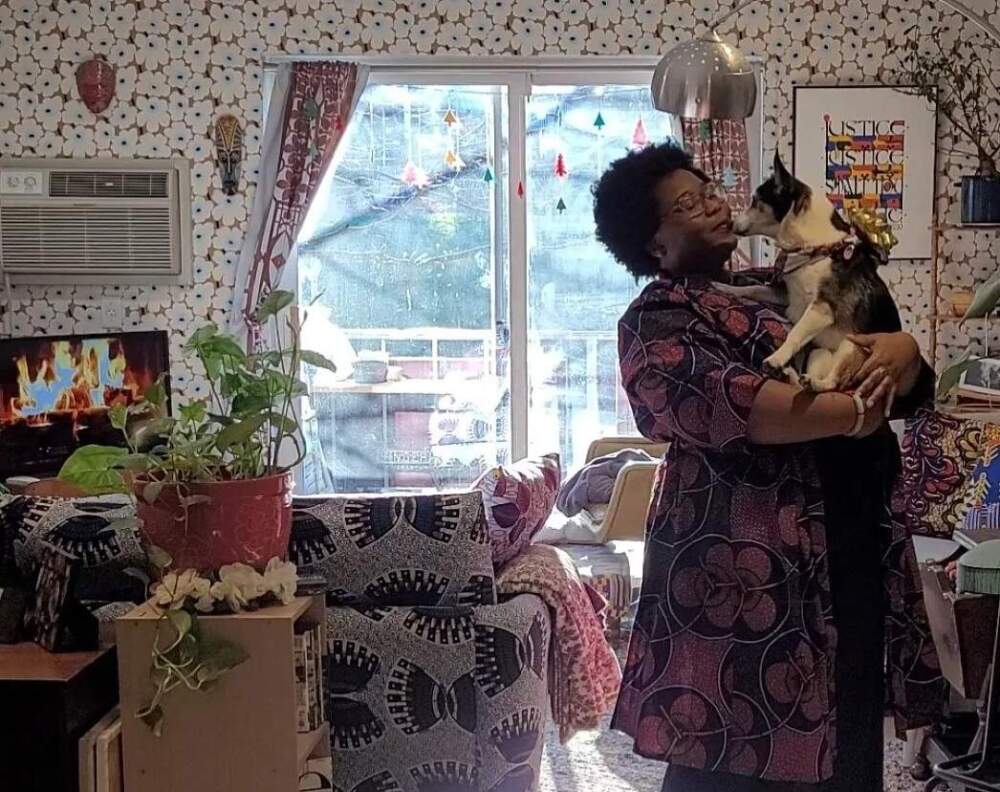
pixel 427 550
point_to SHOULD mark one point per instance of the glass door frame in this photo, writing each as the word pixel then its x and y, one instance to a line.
pixel 518 75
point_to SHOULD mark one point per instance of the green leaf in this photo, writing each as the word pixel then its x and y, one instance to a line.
pixel 318 360
pixel 152 491
pixel 137 463
pixel 950 376
pixel 194 412
pixel 219 657
pixel 273 304
pixel 283 423
pixel 202 334
pixel 154 720
pixel 93 468
pixel 156 394
pixel 158 557
pixel 985 301
pixel 181 621
pixel 118 415
pixel 239 432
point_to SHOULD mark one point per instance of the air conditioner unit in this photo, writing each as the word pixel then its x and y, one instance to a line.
pixel 95 221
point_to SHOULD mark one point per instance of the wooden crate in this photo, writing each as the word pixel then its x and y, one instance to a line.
pixel 240 736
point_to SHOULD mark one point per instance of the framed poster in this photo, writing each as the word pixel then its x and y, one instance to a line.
pixel 874 147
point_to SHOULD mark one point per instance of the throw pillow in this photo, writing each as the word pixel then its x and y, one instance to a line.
pixel 519 499
pixel 420 550
pixel 99 532
pixel 939 453
pixel 982 493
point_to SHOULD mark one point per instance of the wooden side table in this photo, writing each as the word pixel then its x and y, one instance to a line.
pixel 240 736
pixel 47 702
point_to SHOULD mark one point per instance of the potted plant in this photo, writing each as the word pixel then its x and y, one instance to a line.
pixel 210 485
pixel 962 84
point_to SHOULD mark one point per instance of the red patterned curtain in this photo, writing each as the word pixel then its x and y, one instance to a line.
pixel 719 148
pixel 310 107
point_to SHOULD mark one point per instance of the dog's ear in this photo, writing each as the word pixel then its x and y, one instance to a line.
pixel 782 177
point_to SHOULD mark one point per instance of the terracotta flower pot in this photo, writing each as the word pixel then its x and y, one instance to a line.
pixel 227 521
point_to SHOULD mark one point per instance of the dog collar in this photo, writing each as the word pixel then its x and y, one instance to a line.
pixel 791 259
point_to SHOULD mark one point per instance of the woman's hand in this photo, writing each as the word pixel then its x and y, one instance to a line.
pixel 891 367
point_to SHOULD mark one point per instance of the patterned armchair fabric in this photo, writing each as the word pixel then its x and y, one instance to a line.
pixel 433 686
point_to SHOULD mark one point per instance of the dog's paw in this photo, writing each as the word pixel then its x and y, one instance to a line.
pixel 775 367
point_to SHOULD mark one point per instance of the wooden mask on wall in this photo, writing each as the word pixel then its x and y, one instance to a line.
pixel 95 80
pixel 229 151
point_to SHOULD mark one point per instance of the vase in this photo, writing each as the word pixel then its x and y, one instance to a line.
pixel 980 199
pixel 225 522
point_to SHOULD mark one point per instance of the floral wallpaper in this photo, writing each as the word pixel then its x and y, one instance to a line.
pixel 180 63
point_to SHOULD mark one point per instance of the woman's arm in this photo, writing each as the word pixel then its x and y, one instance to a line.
pixel 894 371
pixel 783 413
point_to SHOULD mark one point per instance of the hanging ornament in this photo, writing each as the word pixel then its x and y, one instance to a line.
pixel 639 137
pixel 520 189
pixel 450 118
pixel 95 80
pixel 454 160
pixel 560 167
pixel 409 174
pixel 488 176
pixel 599 122
pixel 728 178
pixel 228 151
pixel 561 206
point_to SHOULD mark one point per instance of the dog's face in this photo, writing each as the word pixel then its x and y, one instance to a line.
pixel 782 194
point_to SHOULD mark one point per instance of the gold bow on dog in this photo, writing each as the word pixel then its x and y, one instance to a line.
pixel 874 227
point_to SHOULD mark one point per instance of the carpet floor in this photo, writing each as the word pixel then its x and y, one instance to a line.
pixel 602 761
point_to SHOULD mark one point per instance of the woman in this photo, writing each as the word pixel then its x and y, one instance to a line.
pixel 776 579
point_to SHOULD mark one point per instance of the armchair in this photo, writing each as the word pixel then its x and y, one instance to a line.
pixel 434 685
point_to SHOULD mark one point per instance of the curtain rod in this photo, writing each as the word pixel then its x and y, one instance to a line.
pixel 491 62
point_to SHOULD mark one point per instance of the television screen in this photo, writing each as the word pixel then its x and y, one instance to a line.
pixel 55 393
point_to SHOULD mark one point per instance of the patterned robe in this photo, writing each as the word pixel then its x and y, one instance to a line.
pixel 731 663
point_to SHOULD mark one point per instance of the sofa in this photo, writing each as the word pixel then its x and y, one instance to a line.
pixel 434 683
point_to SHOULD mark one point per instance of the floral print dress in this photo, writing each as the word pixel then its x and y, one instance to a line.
pixel 732 665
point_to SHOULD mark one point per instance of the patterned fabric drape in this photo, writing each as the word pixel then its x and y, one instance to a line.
pixel 310 106
pixel 719 148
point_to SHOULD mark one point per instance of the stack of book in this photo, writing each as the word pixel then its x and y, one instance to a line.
pixel 309 654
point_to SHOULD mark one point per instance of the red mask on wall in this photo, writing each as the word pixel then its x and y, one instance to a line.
pixel 95 80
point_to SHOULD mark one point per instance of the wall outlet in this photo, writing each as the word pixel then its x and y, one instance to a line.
pixel 114 313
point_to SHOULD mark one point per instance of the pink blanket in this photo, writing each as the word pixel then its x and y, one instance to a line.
pixel 585 674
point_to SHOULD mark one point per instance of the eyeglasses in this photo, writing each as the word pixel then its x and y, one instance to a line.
pixel 695 205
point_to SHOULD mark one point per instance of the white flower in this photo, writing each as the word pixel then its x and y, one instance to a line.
pixel 629 34
pixel 45 21
pixel 648 45
pixel 377 30
pixel 26 70
pixel 74 17
pixel 176 12
pixel 49 111
pixel 229 239
pixel 47 50
pixel 152 145
pixel 301 28
pixel 151 51
pixel 226 591
pixel 201 238
pixel 198 115
pixel 574 12
pixel 247 580
pixel 104 135
pixel 498 40
pixel 227 85
pixel 575 39
pixel 706 10
pixel 100 40
pixel 604 13
pixel 454 10
pixel 529 36
pixel 30 131
pixel 201 176
pixel 423 8
pixel 177 74
pixel 200 87
pixel 152 83
pixel 454 36
pixel 754 20
pixel 827 24
pixel 349 33
pixel 274 27
pixel 529 9
pixel 229 209
pixel 825 55
pixel 327 18
pixel 121 20
pixel 223 299
pixel 499 9
pixel 227 22
pixel 151 20
pixel 281 579
pixel 10 143
pixel 228 55
pixel 424 33
pixel 602 42
pixel 75 112
pixel 479 25
pixel 178 135
pixel 175 588
pixel 799 21
pixel 125 142
pixel 153 113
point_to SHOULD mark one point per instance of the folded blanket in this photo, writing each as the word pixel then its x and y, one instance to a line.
pixel 585 674
pixel 595 481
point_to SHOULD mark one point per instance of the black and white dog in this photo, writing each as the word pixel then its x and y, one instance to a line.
pixel 827 281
